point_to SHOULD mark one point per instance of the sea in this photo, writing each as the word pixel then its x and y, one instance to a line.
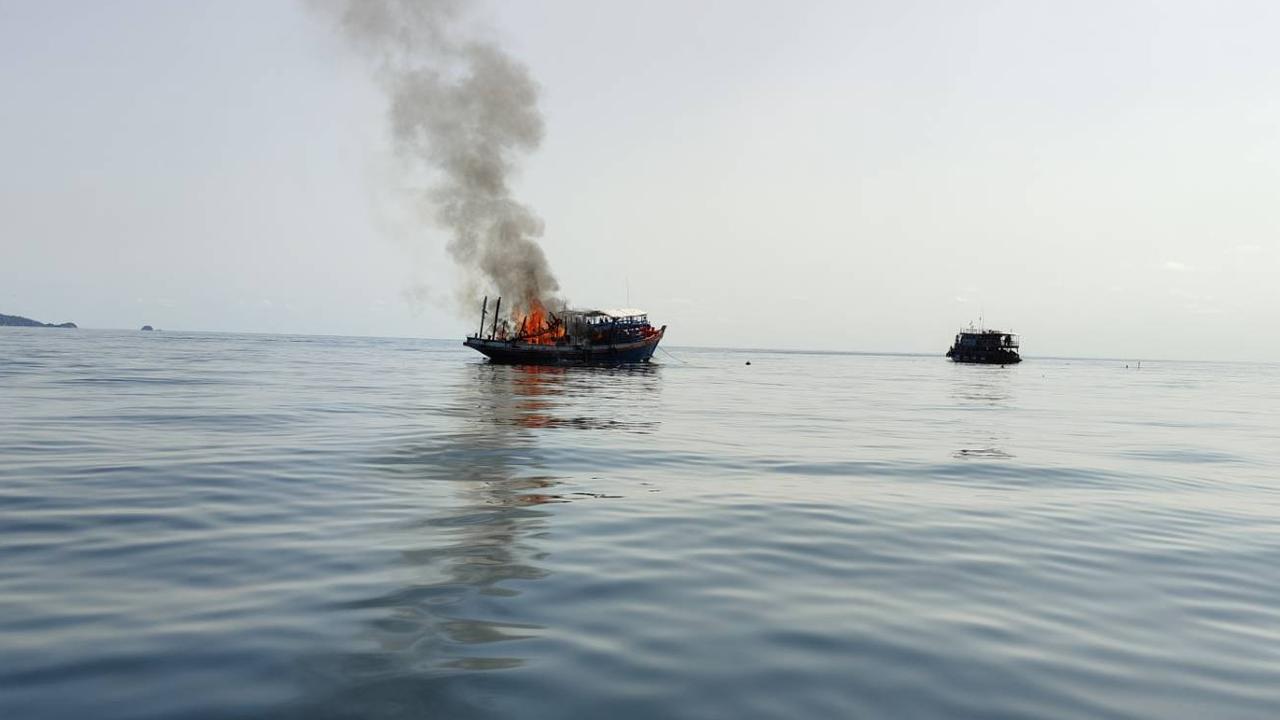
pixel 204 525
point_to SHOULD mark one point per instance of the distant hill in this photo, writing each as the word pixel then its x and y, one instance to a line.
pixel 19 321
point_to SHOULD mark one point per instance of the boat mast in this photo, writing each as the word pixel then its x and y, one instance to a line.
pixel 496 307
pixel 484 308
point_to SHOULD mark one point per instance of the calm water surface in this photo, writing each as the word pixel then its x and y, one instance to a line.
pixel 234 526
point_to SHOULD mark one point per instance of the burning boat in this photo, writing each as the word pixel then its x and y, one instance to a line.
pixel 570 337
pixel 989 347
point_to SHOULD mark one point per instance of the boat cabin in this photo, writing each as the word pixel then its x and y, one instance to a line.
pixel 614 325
pixel 986 340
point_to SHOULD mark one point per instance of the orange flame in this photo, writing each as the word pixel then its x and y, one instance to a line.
pixel 539 326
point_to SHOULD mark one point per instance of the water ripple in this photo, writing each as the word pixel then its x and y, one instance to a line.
pixel 224 526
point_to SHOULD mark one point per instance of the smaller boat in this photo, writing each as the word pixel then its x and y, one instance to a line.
pixel 989 347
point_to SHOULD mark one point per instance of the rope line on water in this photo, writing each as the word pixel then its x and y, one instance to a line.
pixel 673 357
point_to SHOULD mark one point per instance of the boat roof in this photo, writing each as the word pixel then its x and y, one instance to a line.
pixel 610 312
pixel 985 331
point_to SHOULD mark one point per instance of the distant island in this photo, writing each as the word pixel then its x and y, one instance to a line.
pixel 19 321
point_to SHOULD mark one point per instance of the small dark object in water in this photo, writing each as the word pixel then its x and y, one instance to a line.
pixel 147 328
pixel 989 347
pixel 748 362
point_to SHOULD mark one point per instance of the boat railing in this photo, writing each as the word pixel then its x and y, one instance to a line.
pixel 987 340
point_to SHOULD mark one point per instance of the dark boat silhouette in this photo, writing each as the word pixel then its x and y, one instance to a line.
pixel 988 347
pixel 570 337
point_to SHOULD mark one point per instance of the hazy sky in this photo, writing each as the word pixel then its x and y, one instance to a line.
pixel 1103 177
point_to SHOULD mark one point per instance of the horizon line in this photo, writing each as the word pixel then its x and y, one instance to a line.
pixel 723 348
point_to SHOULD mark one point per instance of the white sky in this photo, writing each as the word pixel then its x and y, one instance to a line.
pixel 1103 177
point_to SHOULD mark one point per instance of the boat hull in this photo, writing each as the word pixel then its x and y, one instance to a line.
pixel 512 352
pixel 984 357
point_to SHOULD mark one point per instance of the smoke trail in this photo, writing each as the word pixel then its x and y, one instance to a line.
pixel 460 107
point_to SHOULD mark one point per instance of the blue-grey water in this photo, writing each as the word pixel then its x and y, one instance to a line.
pixel 255 526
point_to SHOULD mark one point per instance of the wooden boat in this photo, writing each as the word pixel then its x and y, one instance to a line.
pixel 570 337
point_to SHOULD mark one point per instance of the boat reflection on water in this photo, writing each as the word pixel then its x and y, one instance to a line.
pixel 984 397
pixel 480 482
pixel 585 398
